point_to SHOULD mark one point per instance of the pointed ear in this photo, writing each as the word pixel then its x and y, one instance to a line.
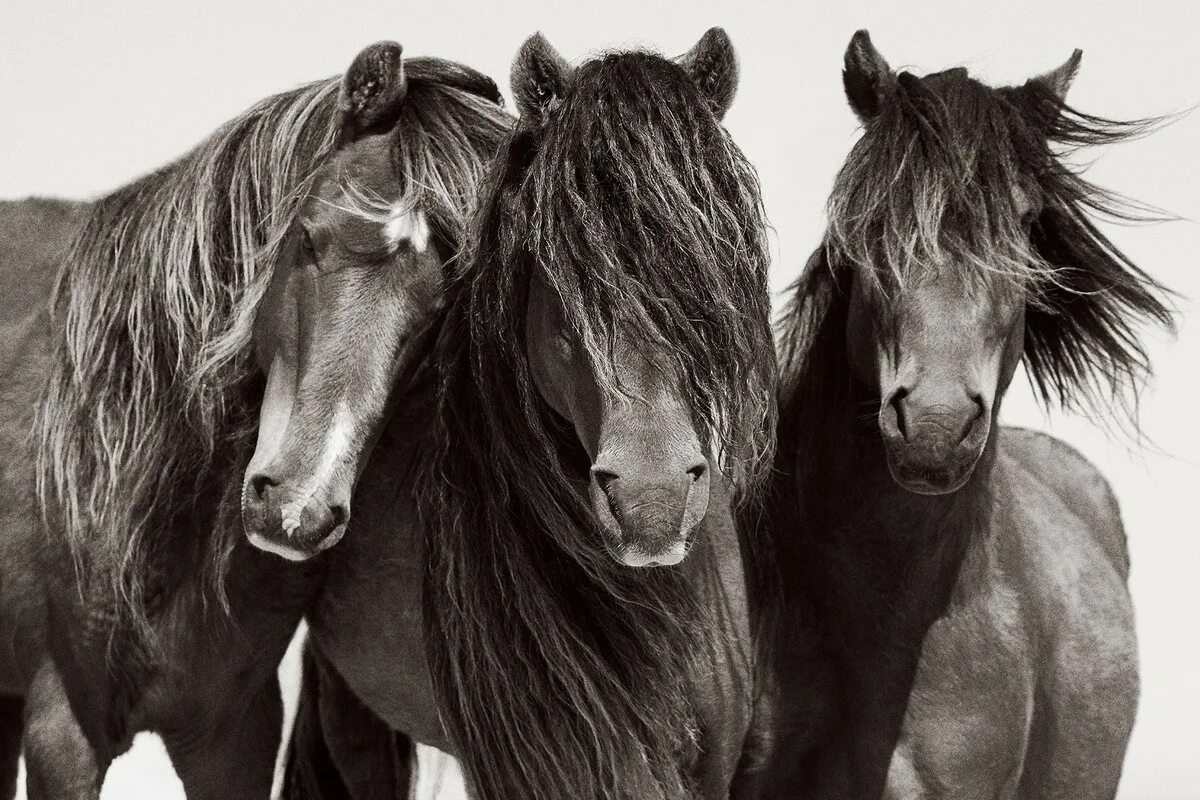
pixel 712 64
pixel 373 89
pixel 539 78
pixel 1059 80
pixel 866 76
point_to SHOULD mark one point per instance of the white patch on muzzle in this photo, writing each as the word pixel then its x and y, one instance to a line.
pixel 337 442
pixel 634 557
pixel 277 548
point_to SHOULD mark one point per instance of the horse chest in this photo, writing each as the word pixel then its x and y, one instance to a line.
pixel 966 727
pixel 368 623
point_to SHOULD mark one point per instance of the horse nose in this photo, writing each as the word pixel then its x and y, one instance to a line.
pixel 949 414
pixel 259 483
pixel 650 515
pixel 286 523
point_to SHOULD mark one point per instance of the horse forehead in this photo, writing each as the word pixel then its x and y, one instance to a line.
pixel 951 299
pixel 406 225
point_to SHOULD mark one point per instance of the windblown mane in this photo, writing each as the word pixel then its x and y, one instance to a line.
pixel 560 673
pixel 935 180
pixel 152 400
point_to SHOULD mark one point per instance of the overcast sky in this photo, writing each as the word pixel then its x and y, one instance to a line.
pixel 93 94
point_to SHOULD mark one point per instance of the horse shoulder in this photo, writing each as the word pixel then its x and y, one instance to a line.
pixel 1077 484
pixel 1069 550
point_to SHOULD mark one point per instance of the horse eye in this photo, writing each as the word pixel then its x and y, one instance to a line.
pixel 306 245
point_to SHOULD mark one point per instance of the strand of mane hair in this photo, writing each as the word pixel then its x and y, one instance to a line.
pixel 134 440
pixel 558 673
pixel 1083 347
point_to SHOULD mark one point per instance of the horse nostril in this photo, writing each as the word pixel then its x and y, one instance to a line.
pixel 339 515
pixel 897 404
pixel 697 472
pixel 603 477
pixel 259 484
pixel 980 410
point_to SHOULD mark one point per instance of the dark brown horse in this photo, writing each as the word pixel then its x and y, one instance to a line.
pixel 952 594
pixel 273 280
pixel 33 237
pixel 600 392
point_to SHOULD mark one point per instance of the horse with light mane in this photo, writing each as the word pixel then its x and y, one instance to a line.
pixel 247 309
pixel 601 392
pixel 952 611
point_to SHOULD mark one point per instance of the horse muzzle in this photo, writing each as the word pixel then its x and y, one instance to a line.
pixel 291 523
pixel 933 450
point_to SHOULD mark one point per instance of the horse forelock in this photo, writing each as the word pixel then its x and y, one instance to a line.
pixel 445 136
pixel 935 183
pixel 560 672
pixel 640 212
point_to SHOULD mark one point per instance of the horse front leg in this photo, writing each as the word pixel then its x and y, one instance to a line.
pixel 12 714
pixel 60 763
pixel 340 748
pixel 227 751
pixel 725 696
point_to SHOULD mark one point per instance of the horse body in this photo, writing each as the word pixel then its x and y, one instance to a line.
pixel 269 240
pixel 1042 597
pixel 33 236
pixel 977 644
pixel 952 612
pixel 586 425
pixel 368 623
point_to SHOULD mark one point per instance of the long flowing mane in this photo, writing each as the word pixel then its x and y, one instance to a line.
pixel 936 180
pixel 152 400
pixel 558 672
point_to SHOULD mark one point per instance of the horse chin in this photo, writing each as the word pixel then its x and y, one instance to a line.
pixel 633 556
pixel 287 550
pixel 931 478
pixel 637 546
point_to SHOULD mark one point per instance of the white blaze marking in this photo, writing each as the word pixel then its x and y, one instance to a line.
pixel 337 441
pixel 405 224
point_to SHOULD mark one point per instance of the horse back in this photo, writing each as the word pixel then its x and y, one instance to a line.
pixel 1077 484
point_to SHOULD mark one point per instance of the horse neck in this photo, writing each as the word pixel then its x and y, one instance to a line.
pixel 863 544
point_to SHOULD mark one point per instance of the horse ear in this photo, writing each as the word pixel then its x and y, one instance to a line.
pixel 866 76
pixel 373 89
pixel 539 78
pixel 1059 80
pixel 712 64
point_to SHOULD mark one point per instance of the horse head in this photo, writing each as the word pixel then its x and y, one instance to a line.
pixel 357 284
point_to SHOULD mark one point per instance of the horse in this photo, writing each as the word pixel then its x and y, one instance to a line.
pixel 951 604
pixel 546 580
pixel 245 311
pixel 34 233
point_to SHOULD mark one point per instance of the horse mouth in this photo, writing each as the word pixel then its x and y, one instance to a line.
pixel 931 476
pixel 284 549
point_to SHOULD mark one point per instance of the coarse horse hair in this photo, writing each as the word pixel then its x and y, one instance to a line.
pixel 152 399
pixel 935 183
pixel 559 672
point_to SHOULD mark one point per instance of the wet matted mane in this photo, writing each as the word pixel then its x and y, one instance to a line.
pixel 936 179
pixel 149 413
pixel 559 672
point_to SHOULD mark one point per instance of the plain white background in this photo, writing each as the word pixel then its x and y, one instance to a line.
pixel 93 94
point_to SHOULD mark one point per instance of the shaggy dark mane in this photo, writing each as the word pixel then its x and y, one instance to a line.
pixel 152 400
pixel 560 673
pixel 934 183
